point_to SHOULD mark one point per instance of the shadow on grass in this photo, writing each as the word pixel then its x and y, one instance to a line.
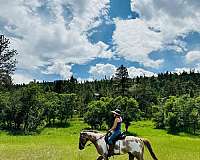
pixel 185 134
pixel 178 133
pixel 22 133
pixel 58 125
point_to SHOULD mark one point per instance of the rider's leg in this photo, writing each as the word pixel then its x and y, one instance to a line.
pixel 112 137
pixel 111 143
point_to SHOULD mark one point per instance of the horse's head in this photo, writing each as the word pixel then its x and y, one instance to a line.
pixel 83 140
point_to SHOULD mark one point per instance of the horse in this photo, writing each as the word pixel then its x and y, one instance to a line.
pixel 134 146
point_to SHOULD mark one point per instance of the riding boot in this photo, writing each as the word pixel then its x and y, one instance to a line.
pixel 111 150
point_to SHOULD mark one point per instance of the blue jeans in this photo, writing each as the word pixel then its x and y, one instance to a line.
pixel 113 136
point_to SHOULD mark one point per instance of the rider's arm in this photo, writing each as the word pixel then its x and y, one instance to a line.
pixel 114 125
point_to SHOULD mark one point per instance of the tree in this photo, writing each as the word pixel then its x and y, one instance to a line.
pixel 129 109
pixel 72 84
pixel 100 111
pixel 51 106
pixel 23 110
pixel 33 107
pixel 68 103
pixel 4 107
pixel 179 114
pixel 7 62
pixel 95 115
pixel 145 96
pixel 121 80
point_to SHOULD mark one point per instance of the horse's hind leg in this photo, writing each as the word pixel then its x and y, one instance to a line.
pixel 131 156
pixel 100 158
pixel 139 157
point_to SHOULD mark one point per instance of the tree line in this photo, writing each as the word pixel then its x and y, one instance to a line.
pixel 171 99
pixel 29 109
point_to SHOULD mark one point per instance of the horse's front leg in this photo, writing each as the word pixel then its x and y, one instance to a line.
pixel 131 156
pixel 105 157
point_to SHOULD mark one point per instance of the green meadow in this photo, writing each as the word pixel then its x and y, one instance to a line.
pixel 62 144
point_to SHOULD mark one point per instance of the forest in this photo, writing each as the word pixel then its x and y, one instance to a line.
pixel 171 100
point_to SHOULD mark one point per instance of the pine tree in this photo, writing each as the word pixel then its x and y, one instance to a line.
pixel 7 63
pixel 121 80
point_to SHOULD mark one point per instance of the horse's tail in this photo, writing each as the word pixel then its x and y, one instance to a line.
pixel 148 145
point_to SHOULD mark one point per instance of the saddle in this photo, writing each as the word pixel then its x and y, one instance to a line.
pixel 122 136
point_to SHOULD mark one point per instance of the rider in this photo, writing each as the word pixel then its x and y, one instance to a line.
pixel 115 130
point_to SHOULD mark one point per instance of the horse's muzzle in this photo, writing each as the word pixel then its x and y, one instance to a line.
pixel 81 147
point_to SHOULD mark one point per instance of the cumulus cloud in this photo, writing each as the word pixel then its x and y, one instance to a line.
pixel 61 69
pixel 196 69
pixel 160 24
pixel 135 41
pixel 51 33
pixel 137 72
pixel 173 18
pixel 181 70
pixel 22 78
pixel 81 80
pixel 99 71
pixel 192 56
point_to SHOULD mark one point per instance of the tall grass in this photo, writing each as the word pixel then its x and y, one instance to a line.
pixel 62 144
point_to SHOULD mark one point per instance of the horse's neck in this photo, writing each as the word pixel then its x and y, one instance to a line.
pixel 93 137
pixel 99 142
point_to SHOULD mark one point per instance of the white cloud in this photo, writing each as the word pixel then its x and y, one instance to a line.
pixel 192 56
pixel 135 41
pixel 181 70
pixel 61 69
pixel 81 80
pixel 21 78
pixel 85 11
pixel 160 23
pixel 173 18
pixel 46 37
pixel 101 70
pixel 134 72
pixel 196 69
pixel 103 52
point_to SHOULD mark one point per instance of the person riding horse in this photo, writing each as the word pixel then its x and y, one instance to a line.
pixel 115 131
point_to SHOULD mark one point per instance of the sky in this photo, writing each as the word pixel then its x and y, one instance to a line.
pixel 89 39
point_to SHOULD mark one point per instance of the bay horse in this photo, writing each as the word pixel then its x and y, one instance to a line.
pixel 134 146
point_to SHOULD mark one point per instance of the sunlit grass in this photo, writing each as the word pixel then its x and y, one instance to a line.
pixel 62 144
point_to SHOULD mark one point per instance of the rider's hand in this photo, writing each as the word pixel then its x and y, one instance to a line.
pixel 109 131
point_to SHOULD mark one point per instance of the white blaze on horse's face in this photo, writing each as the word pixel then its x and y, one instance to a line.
pixel 82 140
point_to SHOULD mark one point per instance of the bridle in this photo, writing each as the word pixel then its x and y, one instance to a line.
pixel 95 141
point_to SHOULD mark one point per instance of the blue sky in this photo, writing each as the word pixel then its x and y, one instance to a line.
pixel 90 39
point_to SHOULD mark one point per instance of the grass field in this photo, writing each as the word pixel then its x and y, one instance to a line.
pixel 62 144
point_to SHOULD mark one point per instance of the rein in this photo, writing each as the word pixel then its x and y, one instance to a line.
pixel 95 140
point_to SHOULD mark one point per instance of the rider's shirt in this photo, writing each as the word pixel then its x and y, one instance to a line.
pixel 118 127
